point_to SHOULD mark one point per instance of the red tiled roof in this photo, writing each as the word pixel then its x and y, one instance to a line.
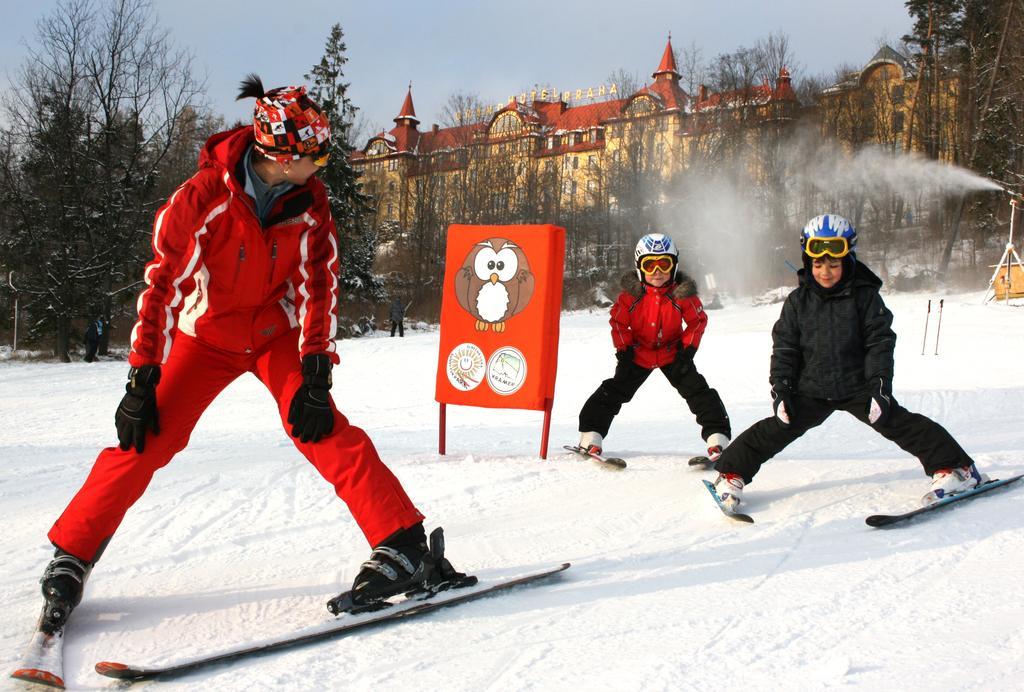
pixel 582 117
pixel 449 137
pixel 406 137
pixel 672 95
pixel 784 87
pixel 737 97
pixel 668 61
pixel 407 110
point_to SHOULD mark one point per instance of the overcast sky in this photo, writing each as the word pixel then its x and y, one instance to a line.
pixel 493 49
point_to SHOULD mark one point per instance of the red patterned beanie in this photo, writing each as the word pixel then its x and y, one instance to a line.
pixel 287 123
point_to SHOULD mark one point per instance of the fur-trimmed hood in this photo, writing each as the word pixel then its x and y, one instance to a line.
pixel 684 285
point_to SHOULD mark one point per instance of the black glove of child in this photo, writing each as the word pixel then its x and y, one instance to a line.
pixel 880 407
pixel 310 412
pixel 137 411
pixel 682 360
pixel 782 403
pixel 625 355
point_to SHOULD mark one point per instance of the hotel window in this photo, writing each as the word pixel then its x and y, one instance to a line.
pixel 393 165
pixel 507 123
pixel 592 162
pixel 575 162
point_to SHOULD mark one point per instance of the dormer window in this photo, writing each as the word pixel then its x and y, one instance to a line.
pixel 641 105
pixel 506 124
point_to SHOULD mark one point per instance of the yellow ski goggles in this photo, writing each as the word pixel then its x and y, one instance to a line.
pixel 655 263
pixel 322 159
pixel 835 246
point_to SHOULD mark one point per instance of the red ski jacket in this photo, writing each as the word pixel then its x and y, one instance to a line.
pixel 657 322
pixel 220 276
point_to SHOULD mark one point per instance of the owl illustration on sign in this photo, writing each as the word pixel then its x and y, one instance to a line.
pixel 494 283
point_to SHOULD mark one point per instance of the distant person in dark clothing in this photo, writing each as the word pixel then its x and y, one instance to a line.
pixel 93 334
pixel 398 317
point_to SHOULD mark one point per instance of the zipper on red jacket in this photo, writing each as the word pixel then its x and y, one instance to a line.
pixel 241 258
pixel 273 262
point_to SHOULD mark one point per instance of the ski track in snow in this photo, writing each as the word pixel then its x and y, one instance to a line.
pixel 239 539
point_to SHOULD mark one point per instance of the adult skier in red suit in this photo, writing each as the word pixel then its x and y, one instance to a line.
pixel 243 280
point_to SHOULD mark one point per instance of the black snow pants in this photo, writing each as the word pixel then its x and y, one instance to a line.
pixel 604 404
pixel 915 434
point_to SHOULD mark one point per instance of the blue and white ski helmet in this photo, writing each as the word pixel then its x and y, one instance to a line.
pixel 654 244
pixel 829 226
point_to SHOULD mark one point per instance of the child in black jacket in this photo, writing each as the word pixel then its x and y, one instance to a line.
pixel 833 350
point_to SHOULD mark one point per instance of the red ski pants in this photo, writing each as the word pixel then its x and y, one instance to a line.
pixel 190 380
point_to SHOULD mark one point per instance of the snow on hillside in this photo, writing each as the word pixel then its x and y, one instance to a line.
pixel 240 539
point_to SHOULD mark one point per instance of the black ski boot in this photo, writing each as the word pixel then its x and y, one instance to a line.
pixel 63 582
pixel 402 563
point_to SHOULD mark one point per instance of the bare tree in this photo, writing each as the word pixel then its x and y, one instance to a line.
pixel 462 108
pixel 692 68
pixel 625 82
pixel 773 53
pixel 97 109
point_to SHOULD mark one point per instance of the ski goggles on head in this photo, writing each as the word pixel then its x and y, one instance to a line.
pixel 320 160
pixel 657 263
pixel 835 246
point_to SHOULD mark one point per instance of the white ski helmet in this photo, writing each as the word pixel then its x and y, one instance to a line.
pixel 654 244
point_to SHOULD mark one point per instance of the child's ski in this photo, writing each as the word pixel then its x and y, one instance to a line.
pixel 610 462
pixel 738 516
pixel 336 628
pixel 880 520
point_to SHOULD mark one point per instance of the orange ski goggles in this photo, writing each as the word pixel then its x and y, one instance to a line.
pixel 833 247
pixel 322 159
pixel 657 263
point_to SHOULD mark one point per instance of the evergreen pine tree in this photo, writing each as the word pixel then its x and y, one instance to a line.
pixel 349 206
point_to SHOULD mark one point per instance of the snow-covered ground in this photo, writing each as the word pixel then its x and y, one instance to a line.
pixel 240 538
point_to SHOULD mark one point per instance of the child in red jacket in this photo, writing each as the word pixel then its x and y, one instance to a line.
pixel 657 322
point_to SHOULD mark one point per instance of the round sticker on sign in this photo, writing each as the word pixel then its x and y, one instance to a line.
pixel 465 367
pixel 506 370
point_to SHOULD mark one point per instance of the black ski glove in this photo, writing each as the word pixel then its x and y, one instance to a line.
pixel 682 361
pixel 626 354
pixel 782 403
pixel 137 411
pixel 880 407
pixel 310 412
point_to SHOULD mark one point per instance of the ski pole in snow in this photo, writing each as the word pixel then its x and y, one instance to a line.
pixel 925 339
pixel 938 326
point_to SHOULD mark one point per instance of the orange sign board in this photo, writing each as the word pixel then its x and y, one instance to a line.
pixel 500 307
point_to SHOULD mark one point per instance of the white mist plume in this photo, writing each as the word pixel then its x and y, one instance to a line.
pixel 729 223
pixel 871 170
